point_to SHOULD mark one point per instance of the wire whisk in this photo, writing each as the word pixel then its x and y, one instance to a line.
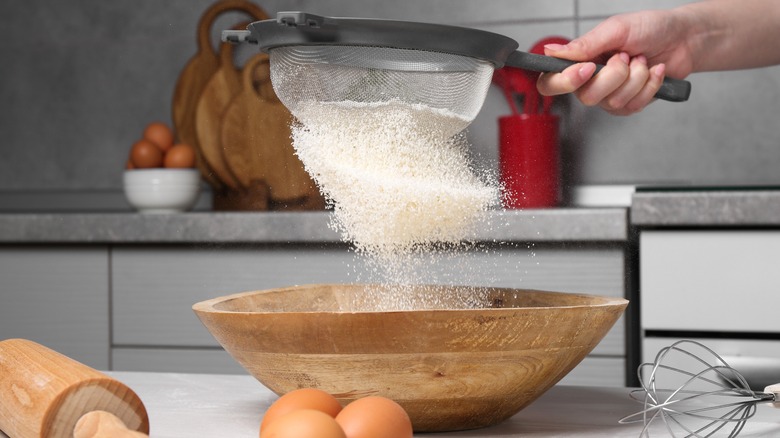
pixel 694 393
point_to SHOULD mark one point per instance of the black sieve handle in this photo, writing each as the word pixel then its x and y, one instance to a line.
pixel 673 90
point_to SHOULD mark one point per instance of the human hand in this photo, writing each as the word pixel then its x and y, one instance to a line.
pixel 640 49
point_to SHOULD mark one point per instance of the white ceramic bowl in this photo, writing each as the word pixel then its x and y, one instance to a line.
pixel 162 190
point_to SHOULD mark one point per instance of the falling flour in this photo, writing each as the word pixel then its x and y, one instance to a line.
pixel 400 182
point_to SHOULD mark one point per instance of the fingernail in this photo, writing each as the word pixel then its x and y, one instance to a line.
pixel 659 70
pixel 624 57
pixel 586 71
pixel 555 47
pixel 642 59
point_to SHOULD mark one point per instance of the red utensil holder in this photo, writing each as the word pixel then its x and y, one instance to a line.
pixel 529 160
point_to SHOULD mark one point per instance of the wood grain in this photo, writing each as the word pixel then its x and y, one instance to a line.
pixel 464 360
pixel 256 139
pixel 220 89
pixel 197 72
pixel 102 424
pixel 44 393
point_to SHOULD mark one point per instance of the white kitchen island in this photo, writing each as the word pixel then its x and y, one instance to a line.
pixel 231 406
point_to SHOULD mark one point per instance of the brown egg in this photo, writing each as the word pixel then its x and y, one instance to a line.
pixel 160 134
pixel 303 423
pixel 129 164
pixel 375 417
pixel 307 398
pixel 145 154
pixel 180 156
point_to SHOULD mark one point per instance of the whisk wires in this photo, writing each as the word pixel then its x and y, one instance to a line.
pixel 694 393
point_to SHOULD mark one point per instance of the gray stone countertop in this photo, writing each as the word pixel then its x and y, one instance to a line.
pixel 549 225
pixel 748 207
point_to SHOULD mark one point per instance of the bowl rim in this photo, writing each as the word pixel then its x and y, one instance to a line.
pixel 209 306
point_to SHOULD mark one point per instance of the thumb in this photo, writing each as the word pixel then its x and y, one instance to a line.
pixel 609 36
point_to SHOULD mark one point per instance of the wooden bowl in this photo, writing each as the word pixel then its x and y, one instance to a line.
pixel 468 358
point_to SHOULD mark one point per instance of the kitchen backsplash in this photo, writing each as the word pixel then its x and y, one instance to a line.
pixel 80 79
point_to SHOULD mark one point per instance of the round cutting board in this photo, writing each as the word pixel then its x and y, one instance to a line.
pixel 196 74
pixel 256 138
pixel 221 88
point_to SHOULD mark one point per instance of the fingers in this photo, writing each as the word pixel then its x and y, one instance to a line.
pixel 640 95
pixel 575 50
pixel 609 36
pixel 623 86
pixel 567 81
pixel 614 74
pixel 646 95
pixel 636 80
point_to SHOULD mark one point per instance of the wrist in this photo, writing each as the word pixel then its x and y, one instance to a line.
pixel 698 31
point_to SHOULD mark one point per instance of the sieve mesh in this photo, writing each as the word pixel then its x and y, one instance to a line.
pixel 365 74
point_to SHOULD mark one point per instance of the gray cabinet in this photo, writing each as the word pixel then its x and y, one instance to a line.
pixel 715 286
pixel 710 280
pixel 57 296
pixel 128 306
pixel 154 288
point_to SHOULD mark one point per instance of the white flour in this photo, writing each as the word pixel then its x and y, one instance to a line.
pixel 399 184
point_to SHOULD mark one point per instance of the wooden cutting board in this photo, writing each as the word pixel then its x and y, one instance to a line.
pixel 221 88
pixel 196 74
pixel 256 138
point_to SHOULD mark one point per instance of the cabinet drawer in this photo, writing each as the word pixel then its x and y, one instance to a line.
pixel 597 371
pixel 722 281
pixel 57 296
pixel 155 288
pixel 177 360
pixel 757 360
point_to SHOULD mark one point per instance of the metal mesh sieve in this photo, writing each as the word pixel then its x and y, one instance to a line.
pixel 316 59
pixel 366 74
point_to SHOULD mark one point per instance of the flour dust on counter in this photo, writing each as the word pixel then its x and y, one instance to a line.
pixel 401 181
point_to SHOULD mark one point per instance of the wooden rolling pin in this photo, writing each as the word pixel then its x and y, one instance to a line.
pixel 102 424
pixel 44 394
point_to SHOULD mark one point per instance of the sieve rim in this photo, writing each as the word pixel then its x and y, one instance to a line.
pixel 301 28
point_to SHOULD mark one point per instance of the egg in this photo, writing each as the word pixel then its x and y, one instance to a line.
pixel 145 154
pixel 180 156
pixel 375 417
pixel 307 398
pixel 303 423
pixel 160 134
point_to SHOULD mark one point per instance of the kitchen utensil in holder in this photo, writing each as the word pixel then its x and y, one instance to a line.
pixel 529 148
pixel 528 160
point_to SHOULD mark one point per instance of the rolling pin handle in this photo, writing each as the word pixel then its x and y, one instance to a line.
pixel 102 424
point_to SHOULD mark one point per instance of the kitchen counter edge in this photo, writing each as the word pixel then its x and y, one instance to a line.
pixel 706 208
pixel 542 225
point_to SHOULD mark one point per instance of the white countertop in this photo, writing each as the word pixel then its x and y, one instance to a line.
pixel 231 406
